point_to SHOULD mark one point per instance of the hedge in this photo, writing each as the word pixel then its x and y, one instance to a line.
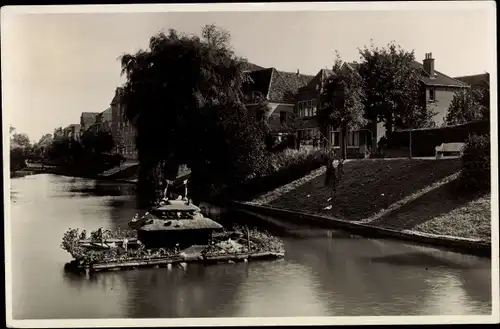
pixel 476 170
pixel 281 168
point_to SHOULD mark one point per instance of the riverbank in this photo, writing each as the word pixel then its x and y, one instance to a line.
pixel 35 169
pixel 398 197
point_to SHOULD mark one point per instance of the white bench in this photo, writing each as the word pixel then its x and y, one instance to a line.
pixel 449 148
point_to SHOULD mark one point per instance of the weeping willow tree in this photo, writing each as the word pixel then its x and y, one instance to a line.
pixel 183 96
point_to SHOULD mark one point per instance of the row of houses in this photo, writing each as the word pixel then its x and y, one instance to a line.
pixel 297 96
pixel 110 120
pixel 292 102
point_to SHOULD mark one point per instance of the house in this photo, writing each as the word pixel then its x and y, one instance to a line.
pixel 308 129
pixel 247 66
pixel 122 130
pixel 307 103
pixel 271 95
pixel 72 132
pixel 102 121
pixel 437 88
pixel 87 119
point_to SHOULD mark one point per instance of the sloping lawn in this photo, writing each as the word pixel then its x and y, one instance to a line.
pixel 367 187
pixel 471 220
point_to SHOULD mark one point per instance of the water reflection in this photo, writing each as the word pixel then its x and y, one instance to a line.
pixel 323 276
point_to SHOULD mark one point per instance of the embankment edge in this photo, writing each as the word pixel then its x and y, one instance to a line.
pixel 458 244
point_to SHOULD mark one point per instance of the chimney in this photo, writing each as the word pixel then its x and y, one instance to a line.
pixel 429 64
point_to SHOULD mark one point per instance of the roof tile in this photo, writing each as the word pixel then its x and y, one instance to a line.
pixel 285 85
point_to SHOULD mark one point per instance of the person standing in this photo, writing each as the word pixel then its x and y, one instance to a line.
pixel 330 173
pixel 334 171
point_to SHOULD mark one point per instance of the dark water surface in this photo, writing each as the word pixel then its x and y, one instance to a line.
pixel 319 277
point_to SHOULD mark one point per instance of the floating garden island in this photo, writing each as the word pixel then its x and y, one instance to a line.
pixel 174 233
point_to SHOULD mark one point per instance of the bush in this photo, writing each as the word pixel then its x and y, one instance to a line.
pixel 277 169
pixel 475 175
pixel 17 159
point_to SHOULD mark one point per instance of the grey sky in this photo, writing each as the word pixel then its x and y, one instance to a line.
pixel 56 66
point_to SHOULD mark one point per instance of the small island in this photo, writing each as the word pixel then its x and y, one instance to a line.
pixel 175 232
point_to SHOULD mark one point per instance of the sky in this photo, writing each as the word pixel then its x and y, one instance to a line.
pixel 56 66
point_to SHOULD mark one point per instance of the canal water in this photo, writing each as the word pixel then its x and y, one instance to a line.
pixel 321 276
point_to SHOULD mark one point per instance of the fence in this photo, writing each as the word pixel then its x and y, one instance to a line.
pixel 424 141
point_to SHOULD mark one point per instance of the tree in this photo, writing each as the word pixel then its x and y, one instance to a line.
pixel 342 102
pixel 45 140
pixel 65 150
pixel 17 159
pixel 183 96
pixel 392 87
pixel 97 142
pixel 465 107
pixel 41 147
pixel 20 147
pixel 482 95
pixel 19 140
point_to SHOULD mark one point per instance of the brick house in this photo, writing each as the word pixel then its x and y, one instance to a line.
pixel 87 119
pixel 307 126
pixel 102 121
pixel 437 91
pixel 279 90
pixel 122 130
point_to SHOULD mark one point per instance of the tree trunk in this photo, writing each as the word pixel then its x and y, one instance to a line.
pixel 149 181
pixel 343 146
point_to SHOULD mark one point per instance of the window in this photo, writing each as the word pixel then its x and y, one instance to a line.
pixel 307 108
pixel 353 138
pixel 336 138
pixel 432 95
pixel 300 108
pixel 283 117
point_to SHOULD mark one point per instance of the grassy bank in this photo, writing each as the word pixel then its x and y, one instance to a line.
pixel 442 211
pixel 471 220
pixel 368 187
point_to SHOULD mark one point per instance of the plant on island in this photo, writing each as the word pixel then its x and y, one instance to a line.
pixel 242 238
pixel 236 241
